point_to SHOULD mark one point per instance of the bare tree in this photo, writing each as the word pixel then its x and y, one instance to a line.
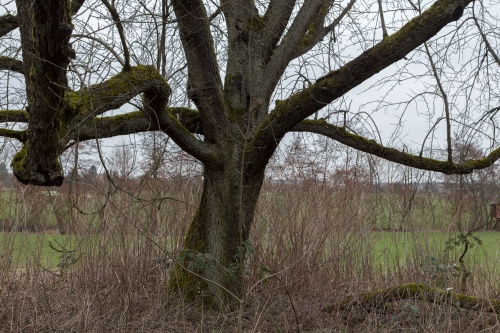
pixel 470 195
pixel 227 80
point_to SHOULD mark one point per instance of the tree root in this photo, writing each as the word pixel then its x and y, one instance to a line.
pixel 379 299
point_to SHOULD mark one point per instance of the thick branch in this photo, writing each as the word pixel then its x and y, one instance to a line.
pixel 21 136
pixel 204 82
pixel 242 24
pixel 119 26
pixel 276 19
pixel 11 64
pixel 299 106
pixel 380 298
pixel 116 91
pixel 134 122
pixel 8 23
pixel 314 36
pixel 120 89
pixel 14 116
pixel 305 19
pixel 369 146
pixel 237 8
pixel 244 51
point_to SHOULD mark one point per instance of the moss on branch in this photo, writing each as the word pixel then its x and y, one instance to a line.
pixel 11 64
pixel 358 142
pixel 8 23
pixel 118 90
pixel 380 298
pixel 15 116
pixel 21 136
pixel 22 167
pixel 19 158
pixel 136 122
pixel 336 83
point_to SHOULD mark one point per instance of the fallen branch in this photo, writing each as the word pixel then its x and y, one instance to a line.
pixel 379 299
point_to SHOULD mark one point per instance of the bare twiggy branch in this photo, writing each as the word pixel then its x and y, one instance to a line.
pixel 382 20
pixel 444 96
pixel 108 47
pixel 486 42
pixel 336 83
pixel 121 32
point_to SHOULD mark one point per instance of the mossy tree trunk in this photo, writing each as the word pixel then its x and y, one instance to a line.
pixel 214 245
pixel 45 32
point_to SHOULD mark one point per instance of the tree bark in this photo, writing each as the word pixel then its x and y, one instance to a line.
pixel 45 61
pixel 214 245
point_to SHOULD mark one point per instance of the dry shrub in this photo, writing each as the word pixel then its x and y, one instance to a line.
pixel 312 246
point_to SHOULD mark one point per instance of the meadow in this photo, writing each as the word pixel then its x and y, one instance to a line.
pixel 390 249
pixel 87 259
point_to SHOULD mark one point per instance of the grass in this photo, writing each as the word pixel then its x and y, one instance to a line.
pixel 398 247
pixel 390 249
pixel 35 248
pixel 320 245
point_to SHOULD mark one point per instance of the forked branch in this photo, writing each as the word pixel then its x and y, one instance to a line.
pixel 290 112
pixel 306 18
pixel 84 105
pixel 276 19
pixel 204 81
pixel 316 34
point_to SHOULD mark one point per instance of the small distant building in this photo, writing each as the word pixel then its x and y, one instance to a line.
pixel 50 193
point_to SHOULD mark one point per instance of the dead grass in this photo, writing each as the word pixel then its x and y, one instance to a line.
pixel 317 243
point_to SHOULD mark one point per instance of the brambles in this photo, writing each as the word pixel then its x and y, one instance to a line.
pixel 441 274
pixel 5 261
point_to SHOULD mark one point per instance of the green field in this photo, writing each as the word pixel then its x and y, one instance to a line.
pixel 22 249
pixel 390 249
pixel 397 248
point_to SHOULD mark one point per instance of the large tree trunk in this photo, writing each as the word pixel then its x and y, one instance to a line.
pixel 45 31
pixel 214 245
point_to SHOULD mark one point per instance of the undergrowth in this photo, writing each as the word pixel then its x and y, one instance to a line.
pixel 311 247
